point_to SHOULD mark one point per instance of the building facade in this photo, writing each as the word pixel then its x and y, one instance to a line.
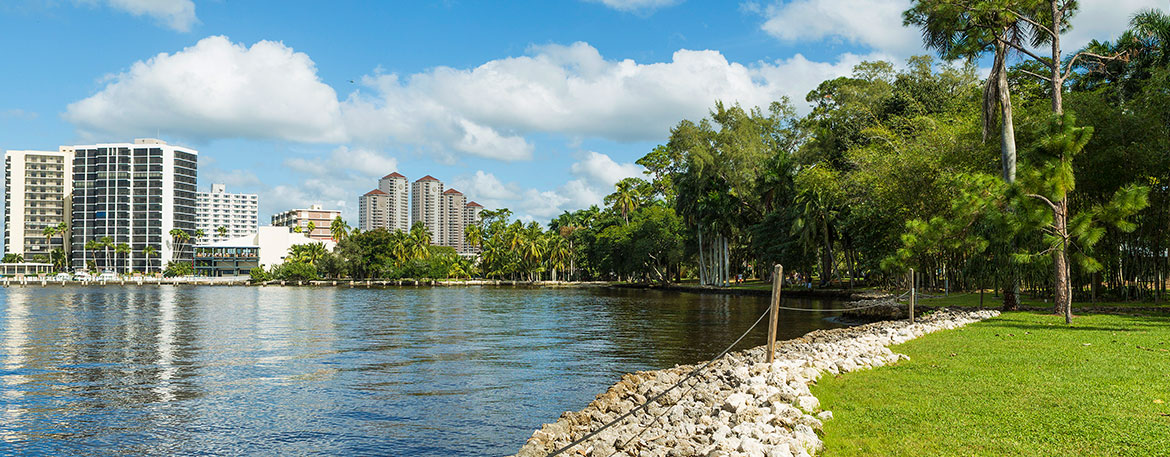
pixel 425 205
pixel 373 207
pixel 223 216
pixel 36 188
pixel 266 248
pixel 397 190
pixel 452 204
pixel 320 218
pixel 133 194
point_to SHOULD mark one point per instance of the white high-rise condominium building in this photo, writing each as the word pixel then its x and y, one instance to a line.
pixel 424 205
pixel 133 194
pixel 387 206
pixel 236 214
pixel 452 204
pixel 372 209
pixel 398 201
pixel 36 186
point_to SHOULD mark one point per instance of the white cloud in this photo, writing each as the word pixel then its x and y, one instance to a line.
pixel 603 170
pixel 17 113
pixel 219 89
pixel 1104 20
pixel 595 174
pixel 485 186
pixel 176 14
pixel 636 5
pixel 216 89
pixel 335 179
pixel 234 179
pixel 875 24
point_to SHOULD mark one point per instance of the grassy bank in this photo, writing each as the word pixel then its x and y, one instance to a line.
pixel 991 301
pixel 1021 384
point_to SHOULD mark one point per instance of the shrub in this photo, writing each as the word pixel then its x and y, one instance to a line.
pixel 294 271
pixel 259 275
pixel 178 269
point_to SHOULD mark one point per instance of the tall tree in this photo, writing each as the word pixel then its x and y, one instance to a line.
pixel 338 229
pixel 123 252
pixel 149 252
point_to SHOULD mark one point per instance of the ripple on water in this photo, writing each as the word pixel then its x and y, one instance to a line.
pixel 96 371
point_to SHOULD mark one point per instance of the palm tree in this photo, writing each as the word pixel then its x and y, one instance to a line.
pixel 308 253
pixel 399 246
pixel 123 250
pixel 178 237
pixel 13 258
pixel 221 231
pixel 955 30
pixel 106 243
pixel 558 253
pixel 149 252
pixel 309 229
pixel 91 246
pixel 473 235
pixel 625 198
pixel 338 229
pixel 419 241
pixel 59 260
pixel 1154 26
pixel 49 232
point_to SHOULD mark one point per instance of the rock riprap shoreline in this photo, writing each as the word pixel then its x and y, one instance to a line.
pixel 740 405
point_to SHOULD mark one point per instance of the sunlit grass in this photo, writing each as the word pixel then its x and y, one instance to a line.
pixel 1021 384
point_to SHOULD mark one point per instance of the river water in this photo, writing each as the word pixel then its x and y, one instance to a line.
pixel 185 370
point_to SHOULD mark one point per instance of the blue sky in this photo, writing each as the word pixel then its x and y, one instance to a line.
pixel 536 106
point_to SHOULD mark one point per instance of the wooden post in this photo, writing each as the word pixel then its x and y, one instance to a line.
pixel 913 294
pixel 777 283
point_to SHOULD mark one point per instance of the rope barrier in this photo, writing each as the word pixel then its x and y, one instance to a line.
pixel 655 398
pixel 690 375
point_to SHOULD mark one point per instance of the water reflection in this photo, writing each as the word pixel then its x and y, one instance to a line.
pixel 277 371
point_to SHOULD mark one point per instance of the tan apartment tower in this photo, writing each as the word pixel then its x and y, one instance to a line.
pixel 321 219
pixel 373 207
pixel 452 204
pixel 36 193
pixel 471 216
pixel 424 205
pixel 395 185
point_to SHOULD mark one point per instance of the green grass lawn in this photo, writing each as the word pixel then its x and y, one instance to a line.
pixel 1021 384
pixel 991 301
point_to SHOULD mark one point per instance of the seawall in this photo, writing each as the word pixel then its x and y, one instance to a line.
pixel 740 405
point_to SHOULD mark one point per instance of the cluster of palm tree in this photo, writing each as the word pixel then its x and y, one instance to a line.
pixel 104 245
pixel 308 253
pixel 518 251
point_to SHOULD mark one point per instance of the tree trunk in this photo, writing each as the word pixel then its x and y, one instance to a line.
pixel 1007 131
pixel 1057 80
pixel 827 259
pixel 702 265
pixel 1061 298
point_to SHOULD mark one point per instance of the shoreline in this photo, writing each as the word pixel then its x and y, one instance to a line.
pixel 740 406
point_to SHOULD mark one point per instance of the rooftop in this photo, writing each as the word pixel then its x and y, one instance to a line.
pixel 394 175
pixel 452 191
pixel 375 192
pixel 427 178
pixel 477 205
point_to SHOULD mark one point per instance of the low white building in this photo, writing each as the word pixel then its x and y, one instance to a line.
pixel 266 248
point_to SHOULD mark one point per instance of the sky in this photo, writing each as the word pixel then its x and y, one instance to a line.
pixel 536 106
